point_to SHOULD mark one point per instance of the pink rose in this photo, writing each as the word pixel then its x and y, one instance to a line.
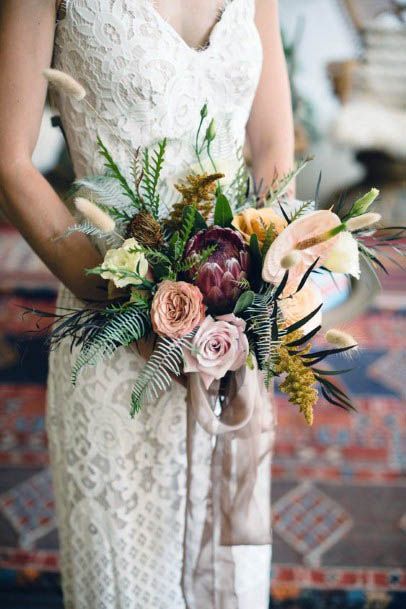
pixel 177 308
pixel 218 346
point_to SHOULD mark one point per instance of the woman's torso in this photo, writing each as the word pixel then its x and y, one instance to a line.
pixel 147 83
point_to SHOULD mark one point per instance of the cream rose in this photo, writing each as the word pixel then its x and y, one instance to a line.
pixel 298 305
pixel 177 308
pixel 219 346
pixel 125 265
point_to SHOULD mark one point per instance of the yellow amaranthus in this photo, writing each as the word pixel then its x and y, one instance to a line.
pixel 300 380
pixel 197 190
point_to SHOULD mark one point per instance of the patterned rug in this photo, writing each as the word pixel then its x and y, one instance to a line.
pixel 338 492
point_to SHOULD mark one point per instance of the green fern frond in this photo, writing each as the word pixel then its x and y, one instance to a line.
pixel 166 360
pixel 115 172
pixel 270 236
pixel 301 210
pixel 280 186
pixel 107 193
pixel 188 222
pixel 196 260
pixel 123 326
pixel 261 319
pixel 152 167
pixel 240 185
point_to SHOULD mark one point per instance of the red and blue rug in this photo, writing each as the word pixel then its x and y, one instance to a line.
pixel 339 494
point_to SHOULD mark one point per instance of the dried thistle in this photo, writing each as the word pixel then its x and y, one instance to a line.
pixel 65 82
pixel 95 215
pixel 300 380
pixel 197 190
pixel 145 229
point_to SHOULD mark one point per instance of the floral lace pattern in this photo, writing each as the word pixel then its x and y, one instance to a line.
pixel 120 483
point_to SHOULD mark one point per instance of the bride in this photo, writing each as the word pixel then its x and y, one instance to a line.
pixel 148 66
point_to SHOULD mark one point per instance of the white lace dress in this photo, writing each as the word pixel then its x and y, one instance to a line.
pixel 120 483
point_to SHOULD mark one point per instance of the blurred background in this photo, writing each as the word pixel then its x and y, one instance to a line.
pixel 339 496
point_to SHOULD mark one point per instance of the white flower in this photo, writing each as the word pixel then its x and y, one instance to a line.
pixel 344 256
pixel 125 259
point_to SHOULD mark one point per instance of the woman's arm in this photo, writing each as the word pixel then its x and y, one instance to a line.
pixel 270 127
pixel 26 43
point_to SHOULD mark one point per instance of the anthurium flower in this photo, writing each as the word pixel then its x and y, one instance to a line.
pixel 344 256
pixel 313 235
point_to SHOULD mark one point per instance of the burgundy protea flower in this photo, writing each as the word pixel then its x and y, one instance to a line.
pixel 218 278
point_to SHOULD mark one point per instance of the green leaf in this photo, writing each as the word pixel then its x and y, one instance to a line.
pixel 200 222
pixel 117 175
pixel 152 167
pixel 245 300
pixel 223 214
pixel 188 222
pixel 362 204
pixel 256 261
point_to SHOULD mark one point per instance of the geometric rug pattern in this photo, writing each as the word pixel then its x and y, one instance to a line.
pixel 339 491
pixel 310 521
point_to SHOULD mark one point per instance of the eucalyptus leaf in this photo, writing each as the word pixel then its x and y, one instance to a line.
pixel 245 300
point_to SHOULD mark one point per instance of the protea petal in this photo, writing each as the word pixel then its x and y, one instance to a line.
pixel 218 277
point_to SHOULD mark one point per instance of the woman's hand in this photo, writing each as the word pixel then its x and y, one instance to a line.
pixel 27 30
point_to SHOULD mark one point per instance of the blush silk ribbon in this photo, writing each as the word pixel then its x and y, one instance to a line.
pixel 227 502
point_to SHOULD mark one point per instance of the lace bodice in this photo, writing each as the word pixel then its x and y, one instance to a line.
pixel 147 83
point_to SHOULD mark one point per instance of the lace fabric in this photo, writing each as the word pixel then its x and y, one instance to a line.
pixel 120 483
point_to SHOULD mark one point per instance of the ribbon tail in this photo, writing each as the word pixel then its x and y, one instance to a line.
pixel 228 498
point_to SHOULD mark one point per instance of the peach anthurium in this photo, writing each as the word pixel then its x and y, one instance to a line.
pixel 313 235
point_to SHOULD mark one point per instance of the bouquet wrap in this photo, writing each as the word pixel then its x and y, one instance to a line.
pixel 231 509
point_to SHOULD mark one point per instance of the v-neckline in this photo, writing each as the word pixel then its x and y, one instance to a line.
pixel 175 34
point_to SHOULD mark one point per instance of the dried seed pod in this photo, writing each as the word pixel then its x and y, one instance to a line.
pixel 145 229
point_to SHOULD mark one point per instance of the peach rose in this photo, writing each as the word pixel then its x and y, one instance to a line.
pixel 256 222
pixel 302 303
pixel 177 308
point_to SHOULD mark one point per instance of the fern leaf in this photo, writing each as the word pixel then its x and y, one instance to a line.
pixel 281 186
pixel 301 210
pixel 113 168
pixel 107 193
pixel 122 327
pixel 166 360
pixel 85 228
pixel 262 318
pixel 152 167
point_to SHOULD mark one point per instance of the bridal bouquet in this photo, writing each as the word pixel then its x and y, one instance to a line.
pixel 220 281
